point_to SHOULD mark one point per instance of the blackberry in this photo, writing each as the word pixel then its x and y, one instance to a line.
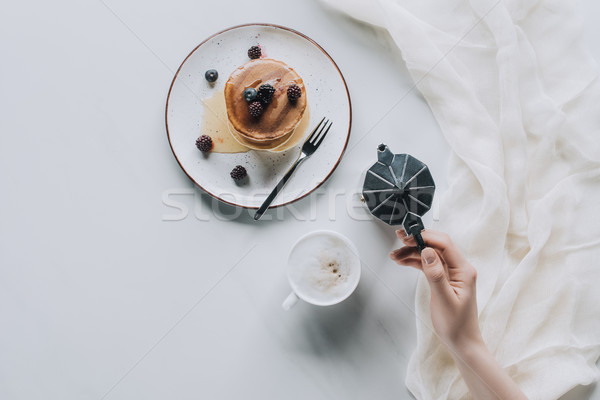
pixel 254 52
pixel 211 75
pixel 255 109
pixel 265 93
pixel 250 94
pixel 294 92
pixel 238 173
pixel 204 143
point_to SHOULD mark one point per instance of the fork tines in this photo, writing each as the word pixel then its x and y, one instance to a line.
pixel 317 135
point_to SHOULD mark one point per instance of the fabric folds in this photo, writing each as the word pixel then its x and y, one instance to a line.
pixel 516 95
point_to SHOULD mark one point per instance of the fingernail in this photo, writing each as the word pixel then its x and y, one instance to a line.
pixel 428 255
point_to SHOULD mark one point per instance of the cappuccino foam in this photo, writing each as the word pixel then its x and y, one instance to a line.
pixel 323 269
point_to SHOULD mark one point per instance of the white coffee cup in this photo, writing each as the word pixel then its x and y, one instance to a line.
pixel 323 269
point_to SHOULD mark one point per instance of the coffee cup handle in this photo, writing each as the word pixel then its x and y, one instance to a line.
pixel 290 301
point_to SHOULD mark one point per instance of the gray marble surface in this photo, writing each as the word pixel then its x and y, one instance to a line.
pixel 106 292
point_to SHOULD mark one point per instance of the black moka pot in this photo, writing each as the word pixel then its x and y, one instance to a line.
pixel 398 189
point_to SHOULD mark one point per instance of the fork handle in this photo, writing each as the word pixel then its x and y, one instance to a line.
pixel 265 205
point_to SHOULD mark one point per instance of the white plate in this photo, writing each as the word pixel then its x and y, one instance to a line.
pixel 225 51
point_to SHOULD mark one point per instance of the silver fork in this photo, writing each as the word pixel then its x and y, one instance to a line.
pixel 308 148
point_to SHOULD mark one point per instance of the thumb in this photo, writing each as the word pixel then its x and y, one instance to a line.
pixel 435 274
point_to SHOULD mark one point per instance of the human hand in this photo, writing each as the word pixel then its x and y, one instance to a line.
pixel 452 283
pixel 454 313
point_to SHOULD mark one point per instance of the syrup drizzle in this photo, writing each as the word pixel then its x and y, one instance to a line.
pixel 214 124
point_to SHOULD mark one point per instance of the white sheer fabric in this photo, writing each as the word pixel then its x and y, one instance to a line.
pixel 518 100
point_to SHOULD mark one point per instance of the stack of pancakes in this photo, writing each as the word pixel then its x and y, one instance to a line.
pixel 280 117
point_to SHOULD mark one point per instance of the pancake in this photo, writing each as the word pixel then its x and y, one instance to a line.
pixel 280 117
pixel 271 144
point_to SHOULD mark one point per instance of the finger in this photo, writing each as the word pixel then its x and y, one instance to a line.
pixel 442 243
pixel 414 262
pixel 401 233
pixel 435 274
pixel 408 256
pixel 403 252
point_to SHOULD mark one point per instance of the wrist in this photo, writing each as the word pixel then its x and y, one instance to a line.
pixel 485 378
pixel 468 346
pixel 472 355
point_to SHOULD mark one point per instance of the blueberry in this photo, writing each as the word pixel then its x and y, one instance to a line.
pixel 250 94
pixel 211 75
